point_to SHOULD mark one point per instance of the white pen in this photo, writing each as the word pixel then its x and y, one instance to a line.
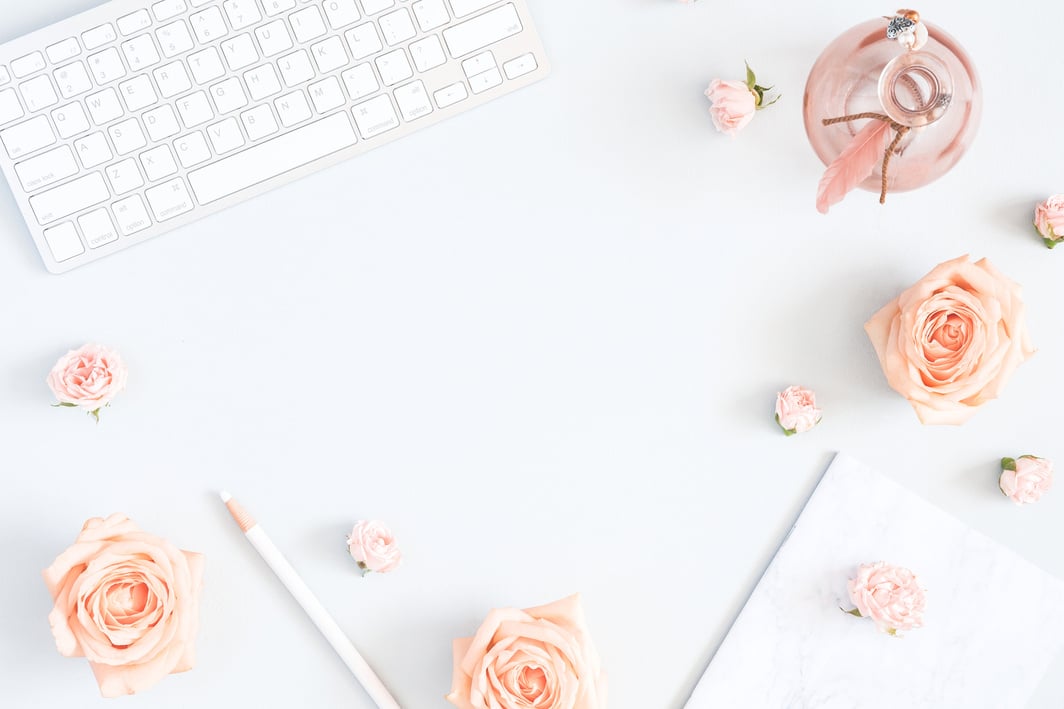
pixel 310 603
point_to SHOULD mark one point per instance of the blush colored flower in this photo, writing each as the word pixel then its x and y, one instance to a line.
pixel 128 602
pixel 796 410
pixel 373 546
pixel 1049 220
pixel 735 102
pixel 951 342
pixel 891 596
pixel 1025 479
pixel 88 378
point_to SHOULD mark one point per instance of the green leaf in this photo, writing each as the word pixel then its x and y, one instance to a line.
pixel 95 413
pixel 65 404
pixel 751 80
pixel 856 613
pixel 786 431
pixel 893 632
pixel 771 102
pixel 1008 464
pixel 1050 243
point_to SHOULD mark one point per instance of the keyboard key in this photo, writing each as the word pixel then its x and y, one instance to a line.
pixel 242 13
pixel 479 63
pixel 375 116
pixel 46 168
pixel 276 7
pixel 486 80
pixel 134 22
pixel 195 109
pixel 71 198
pixel 450 95
pixel 240 52
pixel 5 75
pixel 127 136
pixel 394 67
pixel 430 14
pixel 93 150
pixel 413 100
pixel 161 123
pixel 262 81
pixel 468 7
pixel 169 200
pixel 10 107
pixel 209 25
pixel 61 51
pixel 206 65
pixel 295 68
pixel 131 215
pixel 64 242
pixel 364 41
pixel 427 53
pixel 360 81
pixel 70 120
pixel 307 24
pixel 329 55
pixel 482 31
pixel 327 94
pixel 524 64
pixel 259 122
pixel 174 39
pixel 73 79
pixel 397 27
pixel 292 108
pixel 106 66
pixel 140 52
pixel 137 93
pixel 273 38
pixel 158 163
pixel 24 66
pixel 372 7
pixel 165 9
pixel 98 36
pixel 225 136
pixel 124 176
pixel 192 150
pixel 38 93
pixel 228 95
pixel 104 106
pixel 27 137
pixel 272 158
pixel 98 228
pixel 172 79
pixel 341 13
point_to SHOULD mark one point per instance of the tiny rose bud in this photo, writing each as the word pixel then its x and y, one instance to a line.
pixel 1025 479
pixel 734 104
pixel 892 596
pixel 796 410
pixel 373 546
pixel 88 378
pixel 1049 220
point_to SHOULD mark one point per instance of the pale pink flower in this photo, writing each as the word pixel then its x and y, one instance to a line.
pixel 892 596
pixel 1049 220
pixel 373 546
pixel 1025 479
pixel 796 410
pixel 734 104
pixel 88 378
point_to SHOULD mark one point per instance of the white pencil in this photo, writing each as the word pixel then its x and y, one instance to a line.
pixel 306 598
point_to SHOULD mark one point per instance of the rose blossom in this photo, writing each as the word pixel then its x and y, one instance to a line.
pixel 733 106
pixel 88 377
pixel 1025 479
pixel 890 595
pixel 373 546
pixel 540 658
pixel 951 342
pixel 1049 220
pixel 127 601
pixel 796 410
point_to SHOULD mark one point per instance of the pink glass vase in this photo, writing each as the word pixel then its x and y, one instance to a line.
pixel 933 90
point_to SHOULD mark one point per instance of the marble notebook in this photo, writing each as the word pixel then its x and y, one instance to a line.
pixel 993 624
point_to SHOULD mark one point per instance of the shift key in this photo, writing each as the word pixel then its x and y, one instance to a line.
pixel 70 198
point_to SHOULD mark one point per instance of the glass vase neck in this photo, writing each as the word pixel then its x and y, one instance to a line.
pixel 916 89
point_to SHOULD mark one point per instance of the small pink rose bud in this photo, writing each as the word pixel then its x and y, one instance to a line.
pixel 373 546
pixel 88 378
pixel 735 102
pixel 1049 220
pixel 1025 479
pixel 796 410
pixel 892 596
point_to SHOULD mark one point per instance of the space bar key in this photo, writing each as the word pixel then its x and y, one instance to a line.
pixel 272 158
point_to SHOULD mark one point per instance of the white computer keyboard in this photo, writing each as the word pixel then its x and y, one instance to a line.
pixel 137 117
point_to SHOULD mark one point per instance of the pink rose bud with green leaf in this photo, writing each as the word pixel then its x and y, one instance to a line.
pixel 735 102
pixel 1025 479
pixel 892 596
pixel 88 378
pixel 1049 220
pixel 796 410
pixel 372 545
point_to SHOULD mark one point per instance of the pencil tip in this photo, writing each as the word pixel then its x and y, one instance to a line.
pixel 225 496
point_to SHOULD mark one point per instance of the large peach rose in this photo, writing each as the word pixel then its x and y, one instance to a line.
pixel 951 342
pixel 540 658
pixel 128 602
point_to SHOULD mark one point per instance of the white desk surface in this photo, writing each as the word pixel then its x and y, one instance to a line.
pixel 542 341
